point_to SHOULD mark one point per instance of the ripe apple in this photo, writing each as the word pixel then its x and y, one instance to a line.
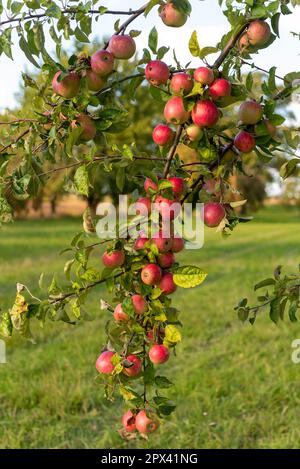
pixel 128 421
pixel 149 184
pixel 122 46
pixel 194 132
pixel 210 186
pixel 102 62
pixel 205 113
pixel 258 33
pixel 139 304
pixel 204 75
pixel 172 17
pixel 159 354
pixel 68 87
pixel 250 112
pixel 220 88
pixel 167 284
pixel 104 364
pixel 140 243
pixel 113 259
pixel 151 274
pixel 244 142
pixel 120 315
pixel 178 186
pixel 168 208
pixel 94 81
pixel 166 260
pixel 270 127
pixel 213 214
pixel 144 424
pixel 162 242
pixel 162 135
pixel 177 244
pixel 157 72
pixel 181 83
pixel 175 111
pixel 136 367
pixel 88 127
pixel 144 206
pixel 243 42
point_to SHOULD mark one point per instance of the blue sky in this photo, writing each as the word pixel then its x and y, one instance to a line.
pixel 207 19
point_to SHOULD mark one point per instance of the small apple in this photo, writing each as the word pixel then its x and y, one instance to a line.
pixel 220 88
pixel 113 259
pixel 244 142
pixel 151 274
pixel 135 368
pixel 94 81
pixel 194 132
pixel 157 72
pixel 140 243
pixel 272 130
pixel 250 112
pixel 204 75
pixel 162 242
pixel 139 304
pixel 162 135
pixel 166 260
pixel 149 184
pixel 178 186
pixel 68 87
pixel 243 43
pixel 102 62
pixel 177 244
pixel 120 315
pixel 181 83
pixel 171 16
pixel 159 354
pixel 213 214
pixel 205 113
pixel 122 46
pixel 175 111
pixel 144 424
pixel 88 127
pixel 167 284
pixel 258 33
pixel 128 421
pixel 143 206
pixel 104 364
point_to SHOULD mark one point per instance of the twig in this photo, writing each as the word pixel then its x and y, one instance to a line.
pixel 15 141
pixel 173 150
pixel 252 65
pixel 230 45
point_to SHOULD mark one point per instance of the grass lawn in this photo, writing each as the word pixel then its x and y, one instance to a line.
pixel 236 386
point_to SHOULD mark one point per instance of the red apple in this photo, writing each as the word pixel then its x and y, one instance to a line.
pixel 120 315
pixel 204 75
pixel 250 112
pixel 88 127
pixel 144 424
pixel 128 421
pixel 220 88
pixel 194 132
pixel 162 242
pixel 178 186
pixel 151 274
pixel 122 46
pixel 149 184
pixel 213 214
pixel 140 243
pixel 244 142
pixel 104 364
pixel 171 16
pixel 162 135
pixel 167 284
pixel 181 83
pixel 159 354
pixel 270 127
pixel 102 62
pixel 157 72
pixel 205 113
pixel 243 42
pixel 143 206
pixel 166 260
pixel 139 304
pixel 68 87
pixel 175 111
pixel 94 82
pixel 169 209
pixel 136 367
pixel 113 259
pixel 177 244
pixel 258 33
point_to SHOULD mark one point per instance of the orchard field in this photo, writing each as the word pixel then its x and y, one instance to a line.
pixel 243 389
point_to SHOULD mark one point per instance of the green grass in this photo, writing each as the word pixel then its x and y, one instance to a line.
pixel 236 386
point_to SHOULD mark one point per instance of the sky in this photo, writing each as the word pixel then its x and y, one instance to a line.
pixel 207 19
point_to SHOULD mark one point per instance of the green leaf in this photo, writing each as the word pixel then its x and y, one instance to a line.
pixel 120 178
pixel 25 48
pixel 207 51
pixel 152 40
pixel 81 180
pixel 275 310
pixel 265 283
pixel 172 334
pixel 183 5
pixel 293 311
pixel 80 35
pixel 188 276
pixel 275 23
pixel 194 45
pixel 151 5
pixel 163 382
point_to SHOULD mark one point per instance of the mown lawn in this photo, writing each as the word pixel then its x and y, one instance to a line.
pixel 236 386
